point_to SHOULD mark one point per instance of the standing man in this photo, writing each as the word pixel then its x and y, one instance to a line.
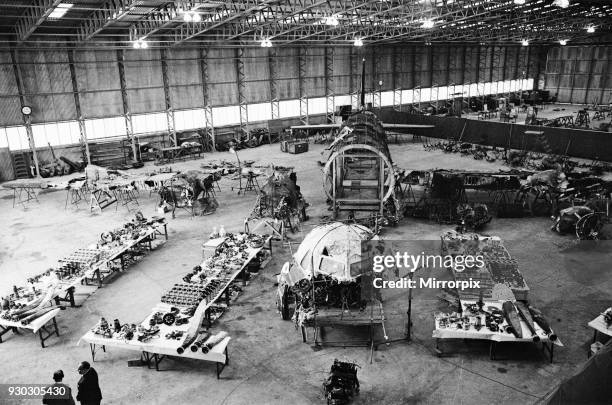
pixel 65 394
pixel 88 388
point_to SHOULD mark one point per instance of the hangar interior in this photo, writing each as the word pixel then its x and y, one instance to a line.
pixel 146 150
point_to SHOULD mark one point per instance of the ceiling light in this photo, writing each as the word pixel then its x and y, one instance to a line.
pixel 331 20
pixel 266 43
pixel 196 17
pixel 525 42
pixel 60 10
pixel 563 42
pixel 187 17
pixel 358 42
pixel 561 3
pixel 144 44
pixel 590 29
pixel 427 24
pixel 136 44
pixel 519 2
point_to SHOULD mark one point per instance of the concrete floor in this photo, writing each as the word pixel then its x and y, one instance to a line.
pixel 549 113
pixel 269 364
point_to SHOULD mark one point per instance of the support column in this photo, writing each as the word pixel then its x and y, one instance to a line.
pixel 168 99
pixel 396 84
pixel 517 64
pixel 447 77
pixel 542 53
pixel 495 59
pixel 522 68
pixel 463 61
pixel 604 80
pixel 376 102
pixel 77 104
pixel 527 64
pixel 573 79
pixel 302 53
pixel 417 67
pixel 27 119
pixel 273 71
pixel 353 69
pixel 430 58
pixel 484 71
pixel 413 67
pixel 208 118
pixel 329 84
pixel 124 100
pixel 242 102
pixel 589 77
pixel 451 70
pixel 477 78
pixel 505 66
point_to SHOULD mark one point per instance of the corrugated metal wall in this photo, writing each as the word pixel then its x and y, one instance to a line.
pixel 48 88
pixel 580 74
pixel 10 113
pixel 185 78
pixel 97 76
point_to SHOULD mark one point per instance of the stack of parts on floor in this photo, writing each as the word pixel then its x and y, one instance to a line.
pixel 342 384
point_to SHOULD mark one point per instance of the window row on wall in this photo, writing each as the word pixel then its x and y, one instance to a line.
pixel 62 133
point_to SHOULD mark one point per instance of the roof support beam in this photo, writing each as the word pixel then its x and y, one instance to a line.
pixel 231 10
pixel 33 17
pixel 111 11
pixel 161 18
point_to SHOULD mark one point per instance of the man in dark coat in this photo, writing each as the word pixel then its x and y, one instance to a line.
pixel 88 388
pixel 59 397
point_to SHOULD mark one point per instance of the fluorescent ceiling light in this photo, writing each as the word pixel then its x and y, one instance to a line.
pixel 60 10
pixel 562 3
pixel 358 42
pixel 427 24
pixel 331 20
pixel 519 2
